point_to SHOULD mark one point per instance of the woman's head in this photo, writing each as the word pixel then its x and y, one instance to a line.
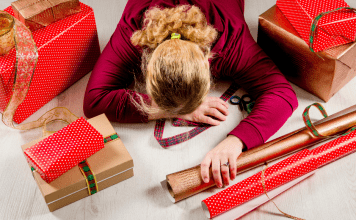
pixel 176 70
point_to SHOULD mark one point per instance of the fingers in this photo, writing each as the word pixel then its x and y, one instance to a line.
pixel 219 100
pixel 219 104
pixel 233 165
pixel 204 166
pixel 208 120
pixel 217 114
pixel 226 151
pixel 225 172
pixel 216 172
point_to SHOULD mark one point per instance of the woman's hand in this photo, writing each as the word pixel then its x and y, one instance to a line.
pixel 211 111
pixel 227 151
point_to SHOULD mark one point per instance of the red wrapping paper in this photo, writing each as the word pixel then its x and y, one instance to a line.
pixel 333 29
pixel 276 175
pixel 335 149
pixel 280 173
pixel 68 50
pixel 63 150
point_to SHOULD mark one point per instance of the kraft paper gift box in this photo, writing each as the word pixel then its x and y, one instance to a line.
pixel 37 14
pixel 322 77
pixel 68 49
pixel 110 165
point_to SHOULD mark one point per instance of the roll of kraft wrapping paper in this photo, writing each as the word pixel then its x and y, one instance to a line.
pixel 183 184
pixel 279 174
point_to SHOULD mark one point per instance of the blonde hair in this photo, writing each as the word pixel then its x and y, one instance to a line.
pixel 177 72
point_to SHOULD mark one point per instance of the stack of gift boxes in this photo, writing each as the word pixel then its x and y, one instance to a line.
pixel 285 34
pixel 85 156
pixel 78 160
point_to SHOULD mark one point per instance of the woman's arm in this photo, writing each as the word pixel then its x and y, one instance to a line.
pixel 275 99
pixel 107 87
pixel 250 67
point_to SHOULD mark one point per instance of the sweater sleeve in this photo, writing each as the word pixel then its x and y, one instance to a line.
pixel 107 87
pixel 275 99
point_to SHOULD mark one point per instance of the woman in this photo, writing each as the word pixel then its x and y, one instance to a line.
pixel 178 72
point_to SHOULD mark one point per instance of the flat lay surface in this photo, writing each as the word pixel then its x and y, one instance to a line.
pixel 328 194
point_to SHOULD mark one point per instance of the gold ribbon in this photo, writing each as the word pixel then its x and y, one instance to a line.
pixel 13 32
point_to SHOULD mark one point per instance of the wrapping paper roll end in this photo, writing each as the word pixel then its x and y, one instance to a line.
pixel 205 209
pixel 168 190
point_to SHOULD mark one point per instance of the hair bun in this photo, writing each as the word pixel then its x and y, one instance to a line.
pixel 188 21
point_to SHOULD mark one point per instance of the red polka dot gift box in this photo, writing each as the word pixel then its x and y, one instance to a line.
pixel 107 167
pixel 68 49
pixel 323 73
pixel 336 21
pixel 64 149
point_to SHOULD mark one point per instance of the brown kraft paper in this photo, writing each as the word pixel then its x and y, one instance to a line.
pixel 183 184
pixel 322 76
pixel 36 14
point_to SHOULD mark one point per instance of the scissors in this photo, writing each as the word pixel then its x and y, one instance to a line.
pixel 245 102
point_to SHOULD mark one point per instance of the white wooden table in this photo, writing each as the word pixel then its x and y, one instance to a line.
pixel 329 194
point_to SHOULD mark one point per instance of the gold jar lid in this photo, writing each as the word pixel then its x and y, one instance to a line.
pixel 6 23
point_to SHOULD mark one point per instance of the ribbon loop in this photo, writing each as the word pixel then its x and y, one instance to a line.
pixel 310 126
pixel 26 61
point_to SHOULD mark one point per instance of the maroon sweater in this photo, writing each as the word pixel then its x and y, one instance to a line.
pixel 237 57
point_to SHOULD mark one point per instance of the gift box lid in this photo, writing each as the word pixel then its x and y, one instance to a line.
pixel 108 162
pixel 30 8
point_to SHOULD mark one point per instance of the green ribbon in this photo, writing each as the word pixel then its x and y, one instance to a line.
pixel 315 23
pixel 310 126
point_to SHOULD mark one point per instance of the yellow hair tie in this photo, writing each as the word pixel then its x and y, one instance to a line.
pixel 175 36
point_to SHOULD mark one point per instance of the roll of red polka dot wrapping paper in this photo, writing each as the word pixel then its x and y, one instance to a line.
pixel 335 149
pixel 61 151
pixel 68 49
pixel 280 173
pixel 276 175
pixel 333 29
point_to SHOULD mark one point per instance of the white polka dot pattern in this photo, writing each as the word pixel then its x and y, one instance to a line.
pixel 281 173
pixel 335 149
pixel 68 50
pixel 64 149
pixel 276 175
pixel 333 29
